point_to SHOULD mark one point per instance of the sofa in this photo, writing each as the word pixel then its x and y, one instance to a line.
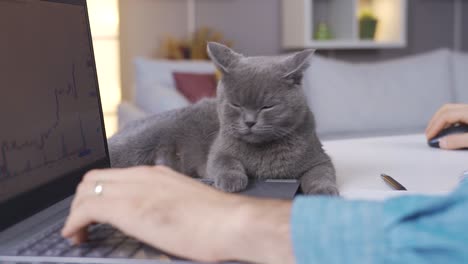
pixel 349 100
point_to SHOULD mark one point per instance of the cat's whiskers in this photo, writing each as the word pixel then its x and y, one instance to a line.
pixel 214 132
pixel 283 133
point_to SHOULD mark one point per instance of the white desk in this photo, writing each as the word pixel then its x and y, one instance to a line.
pixel 408 159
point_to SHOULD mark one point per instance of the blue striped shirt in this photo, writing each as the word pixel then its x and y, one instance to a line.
pixel 410 229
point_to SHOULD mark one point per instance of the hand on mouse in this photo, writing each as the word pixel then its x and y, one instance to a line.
pixel 446 116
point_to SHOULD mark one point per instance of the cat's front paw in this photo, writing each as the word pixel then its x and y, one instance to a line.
pixel 328 190
pixel 232 182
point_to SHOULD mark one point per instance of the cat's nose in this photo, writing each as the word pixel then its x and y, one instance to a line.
pixel 250 123
pixel 249 118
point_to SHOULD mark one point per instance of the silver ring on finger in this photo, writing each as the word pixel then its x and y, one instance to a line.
pixel 98 188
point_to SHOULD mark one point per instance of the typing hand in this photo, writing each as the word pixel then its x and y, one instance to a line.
pixel 447 116
pixel 156 205
pixel 181 216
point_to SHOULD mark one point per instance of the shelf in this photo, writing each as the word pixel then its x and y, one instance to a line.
pixel 350 44
pixel 301 17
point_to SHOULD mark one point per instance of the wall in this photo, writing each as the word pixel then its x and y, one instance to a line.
pixel 143 23
pixel 465 28
pixel 254 26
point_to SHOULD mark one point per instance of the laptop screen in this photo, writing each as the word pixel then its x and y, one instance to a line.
pixel 50 111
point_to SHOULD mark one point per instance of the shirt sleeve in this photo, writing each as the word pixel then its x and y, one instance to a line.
pixel 410 229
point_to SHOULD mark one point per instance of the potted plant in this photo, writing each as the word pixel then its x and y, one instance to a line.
pixel 323 32
pixel 193 48
pixel 367 25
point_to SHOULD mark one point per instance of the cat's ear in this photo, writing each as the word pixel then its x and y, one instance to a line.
pixel 296 64
pixel 223 57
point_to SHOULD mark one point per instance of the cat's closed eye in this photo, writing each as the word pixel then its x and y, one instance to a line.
pixel 266 107
pixel 234 105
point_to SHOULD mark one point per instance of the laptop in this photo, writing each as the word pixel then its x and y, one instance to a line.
pixel 52 132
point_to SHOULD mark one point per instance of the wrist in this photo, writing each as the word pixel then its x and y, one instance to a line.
pixel 259 231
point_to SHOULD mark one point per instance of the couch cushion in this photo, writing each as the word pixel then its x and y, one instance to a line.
pixel 461 77
pixel 155 89
pixel 155 98
pixel 396 95
pixel 195 86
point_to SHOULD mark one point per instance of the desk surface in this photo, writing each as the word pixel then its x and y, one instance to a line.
pixel 408 159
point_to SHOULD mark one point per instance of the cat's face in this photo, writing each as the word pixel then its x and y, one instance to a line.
pixel 260 99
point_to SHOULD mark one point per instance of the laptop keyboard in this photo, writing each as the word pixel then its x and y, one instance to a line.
pixel 104 241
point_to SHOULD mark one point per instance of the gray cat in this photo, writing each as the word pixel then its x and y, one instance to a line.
pixel 259 126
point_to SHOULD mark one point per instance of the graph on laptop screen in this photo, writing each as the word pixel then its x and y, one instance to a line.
pixel 49 107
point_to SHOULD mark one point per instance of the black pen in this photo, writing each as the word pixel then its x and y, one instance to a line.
pixel 392 182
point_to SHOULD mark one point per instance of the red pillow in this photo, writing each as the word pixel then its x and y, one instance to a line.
pixel 195 86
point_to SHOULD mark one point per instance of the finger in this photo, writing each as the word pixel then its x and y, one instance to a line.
pixel 454 141
pixel 79 237
pixel 447 118
pixel 120 213
pixel 115 184
pixel 94 210
pixel 445 108
pixel 435 117
pixel 133 174
pixel 111 190
pixel 438 116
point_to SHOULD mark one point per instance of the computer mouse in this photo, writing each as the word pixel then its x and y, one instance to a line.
pixel 455 129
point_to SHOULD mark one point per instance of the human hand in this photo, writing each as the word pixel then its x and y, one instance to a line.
pixel 446 116
pixel 181 216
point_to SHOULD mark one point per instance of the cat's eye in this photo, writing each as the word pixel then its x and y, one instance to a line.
pixel 234 105
pixel 266 107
